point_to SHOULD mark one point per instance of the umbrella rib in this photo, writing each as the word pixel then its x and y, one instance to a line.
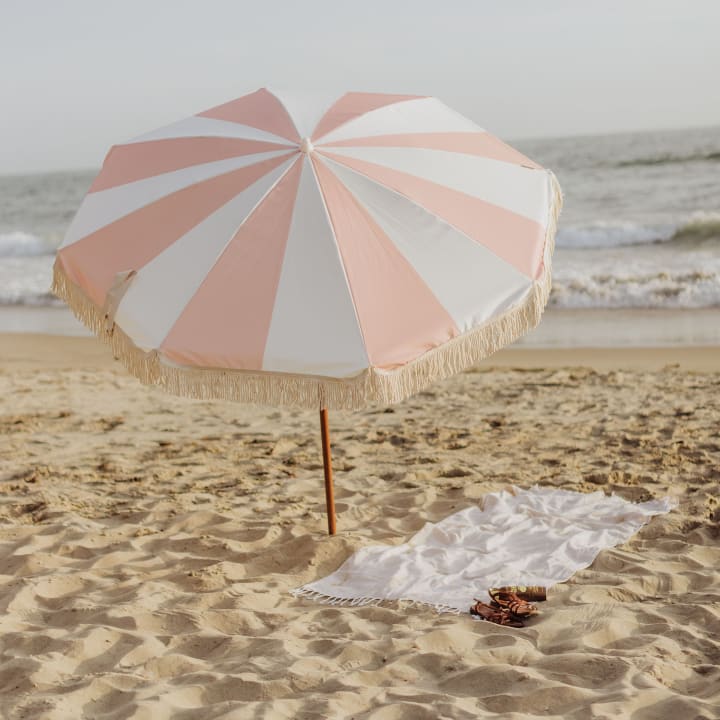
pixel 362 114
pixel 341 258
pixel 345 157
pixel 227 244
pixel 287 110
pixel 395 140
pixel 213 127
pixel 96 202
pixel 417 204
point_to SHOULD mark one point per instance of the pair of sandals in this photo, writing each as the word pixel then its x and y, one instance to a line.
pixel 510 605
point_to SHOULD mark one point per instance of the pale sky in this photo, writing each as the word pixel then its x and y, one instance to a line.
pixel 77 76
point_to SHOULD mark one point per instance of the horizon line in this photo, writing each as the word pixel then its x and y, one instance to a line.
pixel 523 138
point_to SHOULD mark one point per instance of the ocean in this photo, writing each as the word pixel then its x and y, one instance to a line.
pixel 640 226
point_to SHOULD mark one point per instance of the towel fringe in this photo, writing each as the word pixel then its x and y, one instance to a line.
pixel 372 386
pixel 306 593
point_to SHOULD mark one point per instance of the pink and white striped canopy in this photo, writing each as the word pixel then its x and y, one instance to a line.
pixel 280 250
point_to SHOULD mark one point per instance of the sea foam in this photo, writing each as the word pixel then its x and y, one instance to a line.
pixel 23 244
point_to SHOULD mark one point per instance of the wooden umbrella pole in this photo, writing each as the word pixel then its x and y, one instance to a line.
pixel 327 465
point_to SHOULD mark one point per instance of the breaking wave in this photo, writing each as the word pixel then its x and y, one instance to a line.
pixel 700 229
pixel 22 244
pixel 694 289
pixel 28 298
pixel 670 159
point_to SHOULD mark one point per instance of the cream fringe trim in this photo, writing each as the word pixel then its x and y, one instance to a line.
pixel 372 386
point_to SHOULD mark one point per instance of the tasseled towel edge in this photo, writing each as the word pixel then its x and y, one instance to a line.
pixel 306 592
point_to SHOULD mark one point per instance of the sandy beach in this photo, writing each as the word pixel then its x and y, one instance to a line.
pixel 149 543
pixel 329 206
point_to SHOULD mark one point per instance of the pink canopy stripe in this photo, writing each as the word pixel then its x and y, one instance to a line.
pixel 512 237
pixel 469 143
pixel 399 316
pixel 137 161
pixel 261 110
pixel 352 105
pixel 226 324
pixel 132 241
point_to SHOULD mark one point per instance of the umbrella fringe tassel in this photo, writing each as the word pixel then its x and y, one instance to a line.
pixel 372 386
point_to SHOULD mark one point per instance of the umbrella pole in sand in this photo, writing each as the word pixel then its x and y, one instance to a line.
pixel 327 466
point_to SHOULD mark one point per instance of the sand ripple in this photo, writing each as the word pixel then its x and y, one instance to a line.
pixel 148 544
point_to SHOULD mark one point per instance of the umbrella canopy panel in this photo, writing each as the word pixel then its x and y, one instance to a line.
pixel 335 255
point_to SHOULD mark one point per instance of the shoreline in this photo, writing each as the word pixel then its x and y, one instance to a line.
pixel 560 328
pixel 20 351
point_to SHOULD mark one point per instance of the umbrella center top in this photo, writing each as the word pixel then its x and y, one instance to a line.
pixel 306 146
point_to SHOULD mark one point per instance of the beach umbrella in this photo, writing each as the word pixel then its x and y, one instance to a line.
pixel 280 249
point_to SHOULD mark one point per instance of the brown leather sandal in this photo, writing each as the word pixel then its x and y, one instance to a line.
pixel 499 616
pixel 512 603
pixel 524 592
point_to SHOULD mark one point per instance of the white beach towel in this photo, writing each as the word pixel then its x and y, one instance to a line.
pixel 539 536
